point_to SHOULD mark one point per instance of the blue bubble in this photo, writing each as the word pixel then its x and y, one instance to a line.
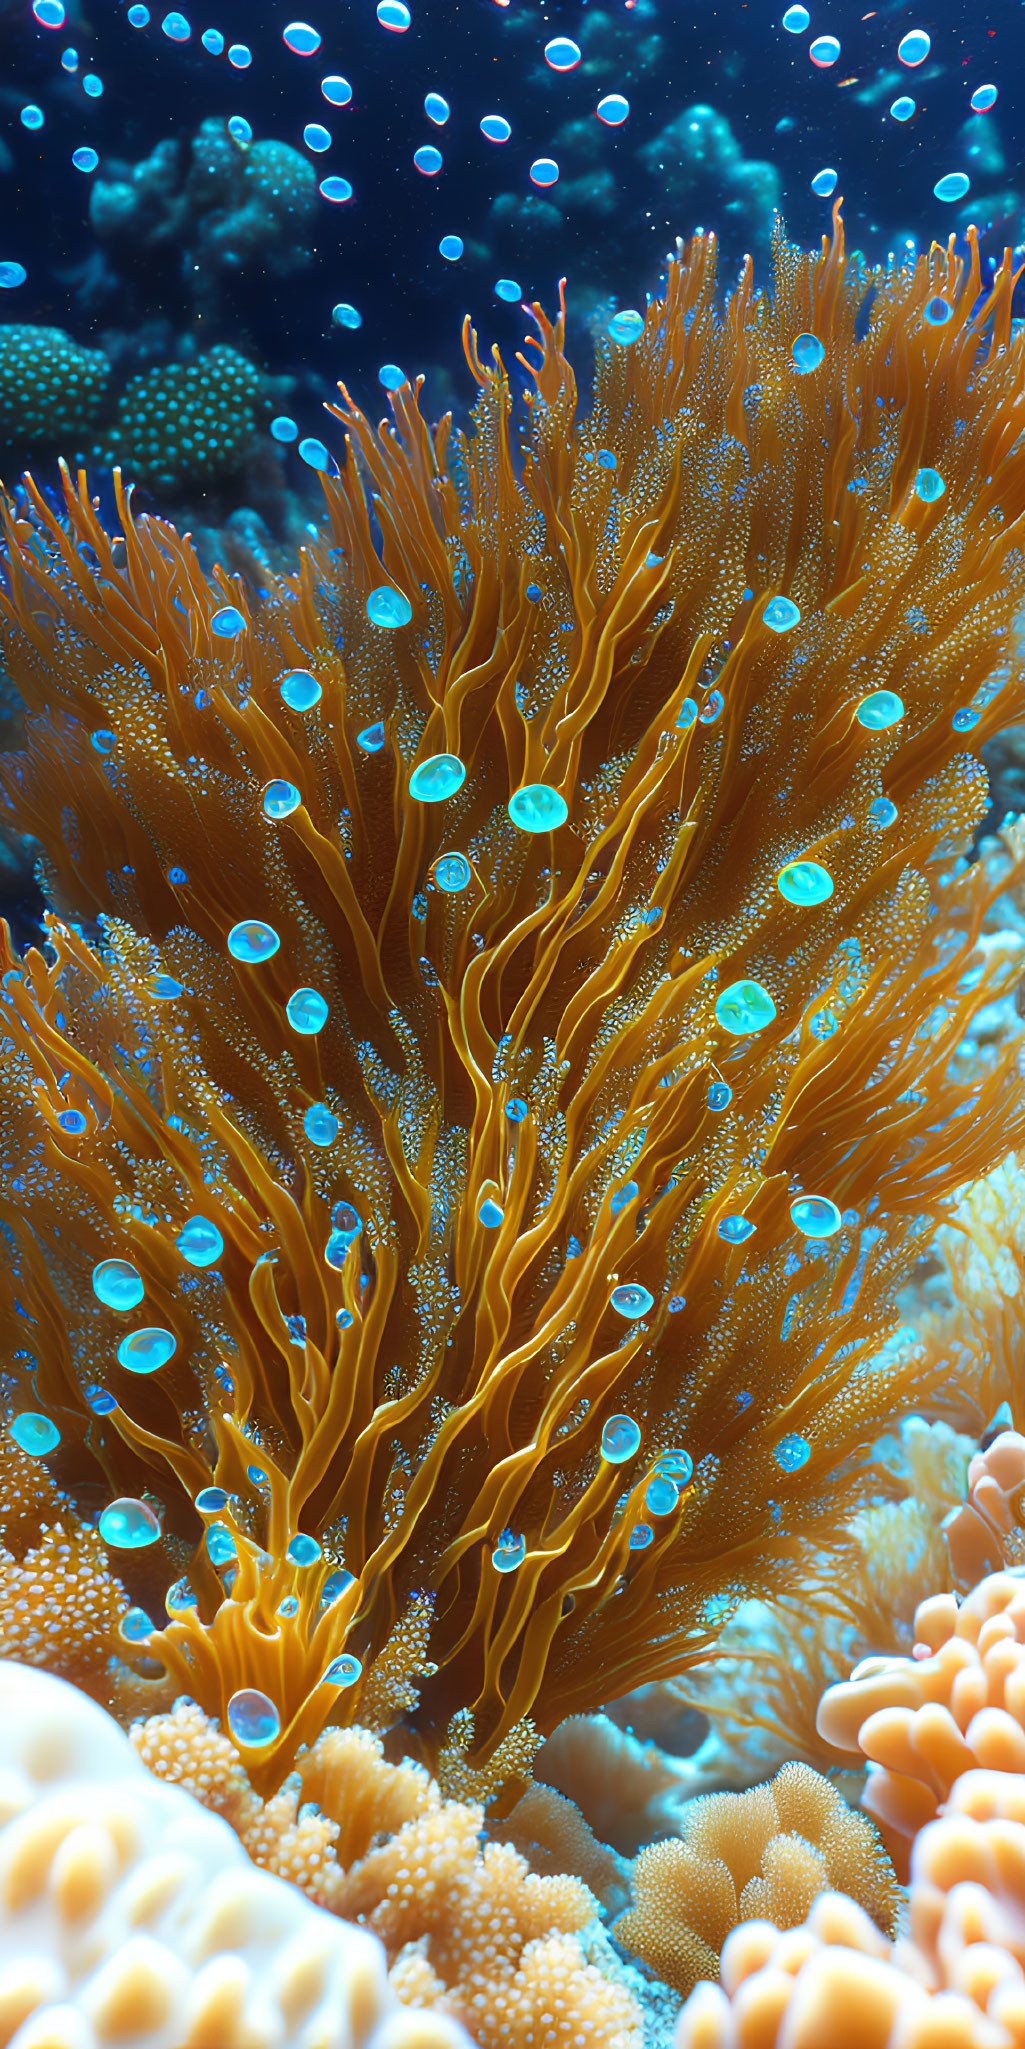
pixel 49 13
pixel 929 486
pixel 796 20
pixel 100 1402
pixel 391 377
pixel 72 1121
pixel 200 1242
pixel 983 98
pixel 31 117
pixel 507 288
pixel 781 614
pixel 35 1435
pixel 307 1012
pixel 720 1095
pixel 902 108
pixel 393 14
pixel 544 171
pixel 641 1536
pixel 937 312
pixel 135 1625
pixel 661 1496
pixel 744 1007
pixel 316 138
pixel 620 1438
pixel 613 109
pixel 509 1552
pixel 210 1500
pixel 451 247
pixel 816 1216
pixel 314 454
pixel 336 90
pixel 117 1284
pixel 251 940
pixel 533 592
pixel 345 315
pixel 240 130
pixel 824 51
pixel 625 327
pixel 792 1452
pixel 128 1525
pixel 881 709
pixel 212 41
pixel 631 1301
pixel 824 182
pixel 537 808
pixel 145 1351
pixel 883 811
pixel 913 48
pixel 437 109
pixel 139 16
pixel 337 190
pixel 734 1229
pixel 388 607
pixel 440 776
pixel 953 186
pixel 283 428
pixel 490 1214
pixel 427 159
pixel 227 622
pixel 804 882
pixel 176 27
pixel 304 1550
pixel 301 38
pixel 343 1671
pixel 240 56
pixel 516 1110
pixel 299 690
pixel 280 799
pixel 252 1718
pixel 452 872
pixel 495 127
pixel 12 274
pixel 320 1125
pixel 220 1544
pixel 562 53
pixel 371 739
pixel 84 159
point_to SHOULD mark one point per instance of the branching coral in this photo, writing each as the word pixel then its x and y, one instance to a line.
pixel 764 1854
pixel 469 1930
pixel 514 1058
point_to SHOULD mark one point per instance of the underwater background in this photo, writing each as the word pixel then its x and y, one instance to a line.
pixel 512 1025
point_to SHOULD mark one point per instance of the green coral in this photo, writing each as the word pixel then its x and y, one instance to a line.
pixel 188 423
pixel 51 387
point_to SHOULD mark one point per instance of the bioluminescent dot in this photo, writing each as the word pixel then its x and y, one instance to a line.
pixel 392 377
pixel 953 186
pixel 210 1500
pixel 304 1550
pixel 937 312
pixel 882 708
pixel 371 739
pixel 240 56
pixel 562 53
pixel 613 110
pixel 299 690
pixel 135 1626
pixel 117 1284
pixel 824 182
pixel 625 327
pixel 735 1229
pixel 49 13
pixel 804 882
pixel 544 171
pixel 508 288
pixel 808 352
pixel 824 51
pixel 11 275
pixel 129 1525
pixel 176 28
pixel 495 127
pixel 313 453
pixel 914 48
pixel 929 486
pixel 451 248
pixel 509 1552
pixel 393 14
pixel 440 776
pixel 902 108
pixel 307 1012
pixel 35 1434
pixel 139 16
pixel 437 109
pixel 661 1496
pixel 816 1216
pixel 720 1095
pixel 336 90
pixel 343 1671
pixel 983 98
pixel 283 428
pixel 176 876
pixel 882 811
pixel 620 1438
pixel 781 614
pixel 252 1718
pixel 317 138
pixel 213 41
pixel 200 1242
pixel 31 116
pixel 336 189
pixel 792 1452
pixel 345 315
pixel 428 160
pixel 227 623
pixel 252 941
pixel 963 720
pixel 490 1214
pixel 280 799
pixel 220 1544
pixel 631 1300
pixel 537 808
pixel 452 873
pixel 72 1121
pixel 641 1536
pixel 320 1125
pixel 388 607
pixel 145 1351
pixel 743 1007
pixel 301 38
pixel 796 20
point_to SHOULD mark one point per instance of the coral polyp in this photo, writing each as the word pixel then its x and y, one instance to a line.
pixel 420 1015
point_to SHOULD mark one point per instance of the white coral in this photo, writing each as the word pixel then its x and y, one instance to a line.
pixel 129 1913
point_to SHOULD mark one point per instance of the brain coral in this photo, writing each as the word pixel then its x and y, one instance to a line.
pixel 50 388
pixel 129 1914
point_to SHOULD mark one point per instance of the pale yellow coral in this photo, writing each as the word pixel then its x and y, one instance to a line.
pixel 767 1853
pixel 469 1929
pixel 986 1532
pixel 972 1328
pixel 60 1606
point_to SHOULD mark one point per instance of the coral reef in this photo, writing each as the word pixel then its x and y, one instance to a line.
pixel 492 1068
pixel 131 1914
pixel 51 389
pixel 765 1854
pixel 469 1931
pixel 188 423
